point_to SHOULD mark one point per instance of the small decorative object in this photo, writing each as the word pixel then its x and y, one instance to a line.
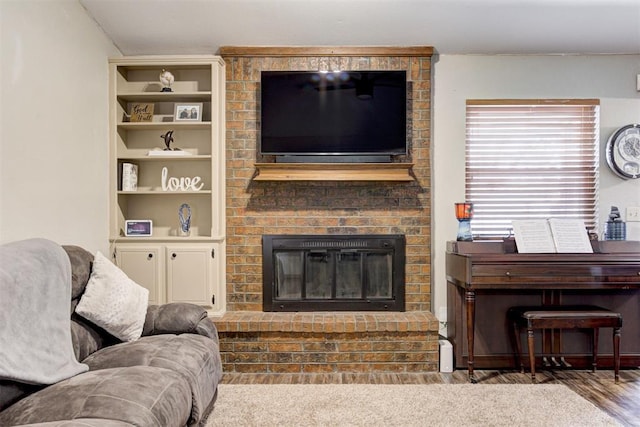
pixel 191 112
pixel 464 213
pixel 142 112
pixel 616 229
pixel 180 184
pixel 129 177
pixel 184 213
pixel 168 139
pixel 167 79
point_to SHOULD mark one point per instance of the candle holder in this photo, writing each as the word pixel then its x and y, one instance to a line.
pixel 464 213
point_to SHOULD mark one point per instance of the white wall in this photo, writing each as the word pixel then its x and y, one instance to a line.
pixel 54 123
pixel 611 78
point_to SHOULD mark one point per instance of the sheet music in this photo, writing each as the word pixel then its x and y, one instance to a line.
pixel 570 236
pixel 550 236
pixel 533 236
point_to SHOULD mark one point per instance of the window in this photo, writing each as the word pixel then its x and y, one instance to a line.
pixel 531 159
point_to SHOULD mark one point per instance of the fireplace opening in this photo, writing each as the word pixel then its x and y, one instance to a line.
pixel 333 272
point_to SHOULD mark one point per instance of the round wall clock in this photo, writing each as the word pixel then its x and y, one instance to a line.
pixel 623 152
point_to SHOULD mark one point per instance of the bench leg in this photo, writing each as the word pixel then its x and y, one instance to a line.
pixel 532 357
pixel 515 335
pixel 616 353
pixel 594 346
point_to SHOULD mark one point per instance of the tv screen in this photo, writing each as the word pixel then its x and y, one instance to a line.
pixel 347 113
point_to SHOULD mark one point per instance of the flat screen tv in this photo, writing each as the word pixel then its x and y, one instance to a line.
pixel 333 116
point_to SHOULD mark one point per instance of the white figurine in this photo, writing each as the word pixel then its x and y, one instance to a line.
pixel 167 79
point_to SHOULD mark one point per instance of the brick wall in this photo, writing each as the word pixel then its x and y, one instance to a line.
pixel 257 342
pixel 257 208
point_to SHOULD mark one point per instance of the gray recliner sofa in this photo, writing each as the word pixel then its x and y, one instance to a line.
pixel 168 377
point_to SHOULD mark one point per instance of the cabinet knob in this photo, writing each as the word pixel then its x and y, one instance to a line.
pixel 149 256
pixel 508 273
pixel 174 255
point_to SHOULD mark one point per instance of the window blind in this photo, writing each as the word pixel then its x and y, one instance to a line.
pixel 531 159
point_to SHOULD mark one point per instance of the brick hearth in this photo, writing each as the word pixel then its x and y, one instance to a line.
pixel 256 342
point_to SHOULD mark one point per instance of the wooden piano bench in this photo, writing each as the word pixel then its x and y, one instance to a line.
pixel 564 317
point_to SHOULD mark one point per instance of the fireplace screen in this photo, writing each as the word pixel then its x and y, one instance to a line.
pixel 314 273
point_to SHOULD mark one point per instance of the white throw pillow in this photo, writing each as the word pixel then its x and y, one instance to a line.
pixel 113 301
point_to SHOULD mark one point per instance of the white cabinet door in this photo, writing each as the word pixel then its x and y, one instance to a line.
pixel 180 272
pixel 144 266
pixel 190 274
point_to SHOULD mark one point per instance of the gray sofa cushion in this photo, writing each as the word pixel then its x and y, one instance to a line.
pixel 195 357
pixel 87 337
pixel 81 261
pixel 179 318
pixel 12 391
pixel 138 395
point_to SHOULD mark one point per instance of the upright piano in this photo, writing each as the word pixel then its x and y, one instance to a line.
pixel 485 278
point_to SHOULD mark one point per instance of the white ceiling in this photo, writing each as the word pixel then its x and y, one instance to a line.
pixel 140 27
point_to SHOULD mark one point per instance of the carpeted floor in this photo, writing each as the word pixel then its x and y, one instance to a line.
pixel 404 405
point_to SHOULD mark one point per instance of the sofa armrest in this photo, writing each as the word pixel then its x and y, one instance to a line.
pixel 179 318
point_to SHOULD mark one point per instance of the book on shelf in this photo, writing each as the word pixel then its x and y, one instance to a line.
pixel 554 235
pixel 129 178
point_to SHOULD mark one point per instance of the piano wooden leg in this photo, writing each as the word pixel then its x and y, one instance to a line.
pixel 594 348
pixel 515 336
pixel 470 300
pixel 532 357
pixel 616 353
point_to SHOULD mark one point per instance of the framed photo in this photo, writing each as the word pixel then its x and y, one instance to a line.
pixel 138 228
pixel 188 112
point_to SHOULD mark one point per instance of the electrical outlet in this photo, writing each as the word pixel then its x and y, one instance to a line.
pixel 633 213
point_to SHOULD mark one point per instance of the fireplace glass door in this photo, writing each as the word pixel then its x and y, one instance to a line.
pixel 334 278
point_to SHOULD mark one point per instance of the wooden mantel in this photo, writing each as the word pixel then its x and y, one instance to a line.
pixel 300 51
pixel 333 172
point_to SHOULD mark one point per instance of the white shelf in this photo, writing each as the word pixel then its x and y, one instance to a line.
pixel 163 193
pixel 176 239
pixel 146 158
pixel 163 125
pixel 204 96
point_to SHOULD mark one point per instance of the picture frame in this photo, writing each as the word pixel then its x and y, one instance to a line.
pixel 138 228
pixel 187 112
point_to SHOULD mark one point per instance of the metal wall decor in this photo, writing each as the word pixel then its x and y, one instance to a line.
pixel 623 152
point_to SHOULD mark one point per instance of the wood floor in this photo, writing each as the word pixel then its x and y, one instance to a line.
pixel 621 401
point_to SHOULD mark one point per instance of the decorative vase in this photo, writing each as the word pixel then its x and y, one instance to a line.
pixel 184 213
pixel 464 213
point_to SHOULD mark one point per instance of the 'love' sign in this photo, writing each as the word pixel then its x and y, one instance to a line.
pixel 184 183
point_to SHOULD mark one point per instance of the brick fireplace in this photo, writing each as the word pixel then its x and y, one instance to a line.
pixel 255 341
